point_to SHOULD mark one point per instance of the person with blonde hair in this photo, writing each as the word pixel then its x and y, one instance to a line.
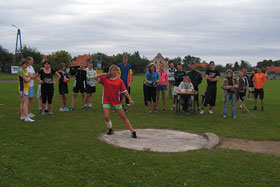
pixel 186 86
pixel 113 86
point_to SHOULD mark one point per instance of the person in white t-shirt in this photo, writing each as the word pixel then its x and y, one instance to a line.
pixel 31 92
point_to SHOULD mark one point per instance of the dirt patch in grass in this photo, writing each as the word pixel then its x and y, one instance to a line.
pixel 267 147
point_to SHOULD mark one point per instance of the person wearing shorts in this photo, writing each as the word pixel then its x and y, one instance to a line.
pixel 90 84
pixel 79 84
pixel 31 92
pixel 162 85
pixel 179 77
pixel 259 82
pixel 23 87
pixel 63 88
pixel 151 80
pixel 113 86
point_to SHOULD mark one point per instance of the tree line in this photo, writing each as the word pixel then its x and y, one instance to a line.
pixel 137 62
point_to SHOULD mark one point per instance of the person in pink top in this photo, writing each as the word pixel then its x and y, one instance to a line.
pixel 162 85
pixel 113 88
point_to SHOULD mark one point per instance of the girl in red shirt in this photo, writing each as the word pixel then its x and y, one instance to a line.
pixel 113 87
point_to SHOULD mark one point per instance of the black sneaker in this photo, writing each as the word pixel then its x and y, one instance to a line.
pixel 84 108
pixel 46 110
pixel 255 108
pixel 110 132
pixel 262 108
pixel 72 108
pixel 133 134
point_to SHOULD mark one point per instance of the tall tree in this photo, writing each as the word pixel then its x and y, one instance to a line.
pixel 6 60
pixel 58 57
pixel 33 52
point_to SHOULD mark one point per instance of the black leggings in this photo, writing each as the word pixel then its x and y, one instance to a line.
pixel 47 91
pixel 151 93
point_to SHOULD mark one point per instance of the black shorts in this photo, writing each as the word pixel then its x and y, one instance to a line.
pixel 259 92
pixel 241 95
pixel 151 93
pixel 90 89
pixel 63 88
pixel 79 87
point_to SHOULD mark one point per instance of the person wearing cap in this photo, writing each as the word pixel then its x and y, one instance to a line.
pixel 212 76
pixel 229 86
pixel 259 82
pixel 79 84
pixel 185 100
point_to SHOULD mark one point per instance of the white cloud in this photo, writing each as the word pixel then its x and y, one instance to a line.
pixel 214 29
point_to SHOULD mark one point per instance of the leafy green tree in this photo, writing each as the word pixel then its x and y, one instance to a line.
pixel 190 59
pixel 58 57
pixel 33 52
pixel 6 60
pixel 236 66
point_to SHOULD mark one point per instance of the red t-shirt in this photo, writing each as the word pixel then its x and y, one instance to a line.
pixel 112 90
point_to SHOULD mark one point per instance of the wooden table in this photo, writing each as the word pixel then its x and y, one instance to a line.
pixel 192 94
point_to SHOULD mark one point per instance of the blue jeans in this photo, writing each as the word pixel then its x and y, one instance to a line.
pixel 186 102
pixel 231 96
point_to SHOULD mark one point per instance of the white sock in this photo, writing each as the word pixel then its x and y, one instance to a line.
pixel 109 124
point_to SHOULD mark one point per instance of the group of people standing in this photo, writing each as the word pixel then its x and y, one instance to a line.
pixel 234 88
pixel 117 83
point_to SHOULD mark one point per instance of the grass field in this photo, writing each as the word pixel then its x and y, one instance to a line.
pixel 64 150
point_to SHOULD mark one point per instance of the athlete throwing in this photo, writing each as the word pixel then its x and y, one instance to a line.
pixel 113 87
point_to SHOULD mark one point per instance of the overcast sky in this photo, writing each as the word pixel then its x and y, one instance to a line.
pixel 221 30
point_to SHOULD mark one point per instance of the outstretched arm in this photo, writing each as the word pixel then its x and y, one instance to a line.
pixel 96 77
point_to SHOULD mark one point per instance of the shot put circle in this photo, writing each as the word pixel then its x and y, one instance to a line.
pixel 161 140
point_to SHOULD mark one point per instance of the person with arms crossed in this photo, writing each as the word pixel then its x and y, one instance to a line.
pixel 212 76
pixel 196 79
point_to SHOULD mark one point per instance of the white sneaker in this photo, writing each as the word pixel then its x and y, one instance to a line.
pixel 241 106
pixel 127 104
pixel 61 110
pixel 225 116
pixel 210 112
pixel 28 120
pixel 234 117
pixel 31 115
pixel 202 112
pixel 21 118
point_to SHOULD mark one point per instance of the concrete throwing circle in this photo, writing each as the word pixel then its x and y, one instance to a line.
pixel 160 140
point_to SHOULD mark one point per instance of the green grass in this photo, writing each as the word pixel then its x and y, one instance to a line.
pixel 65 150
pixel 8 76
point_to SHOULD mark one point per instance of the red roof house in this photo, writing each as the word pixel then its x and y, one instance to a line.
pixel 80 58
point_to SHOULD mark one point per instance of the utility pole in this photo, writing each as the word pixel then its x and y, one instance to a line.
pixel 18 42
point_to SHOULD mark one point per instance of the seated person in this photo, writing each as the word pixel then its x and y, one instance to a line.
pixel 186 86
